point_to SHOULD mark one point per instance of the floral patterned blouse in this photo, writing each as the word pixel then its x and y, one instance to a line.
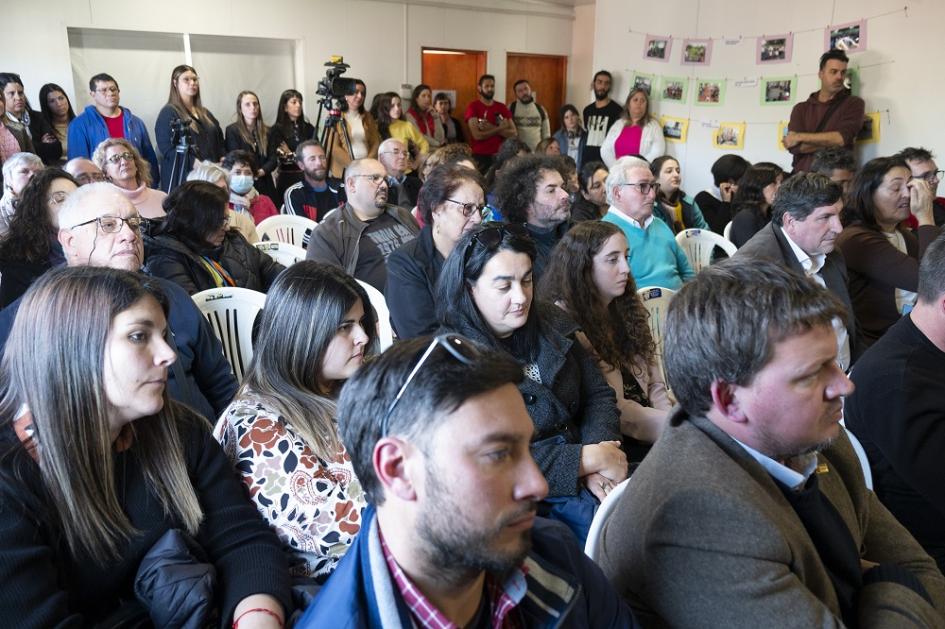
pixel 314 505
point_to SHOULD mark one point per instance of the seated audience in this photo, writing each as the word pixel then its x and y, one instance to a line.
pixel 588 277
pixel 206 137
pixel 105 479
pixel 655 257
pixel 448 130
pixel 882 255
pixel 105 119
pixel 244 198
pixel 531 191
pixel 548 146
pixel 673 206
pixel 43 137
pixel 282 420
pixel 454 153
pixel 752 202
pixel 31 247
pixel 55 107
pixel 898 410
pixel 240 218
pixel 451 203
pixel 361 235
pixel 290 130
pixel 716 202
pixel 402 188
pixel 391 123
pixel 922 164
pixel 802 236
pixel 361 130
pixel 196 249
pixel 84 171
pixel 422 116
pixel 126 170
pixel 751 509
pixel 18 169
pixel 837 164
pixel 591 204
pixel 508 150
pixel 316 194
pixel 14 137
pixel 637 132
pixel 251 134
pixel 451 535
pixel 571 137
pixel 485 292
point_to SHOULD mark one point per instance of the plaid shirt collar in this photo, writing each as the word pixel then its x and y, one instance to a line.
pixel 503 597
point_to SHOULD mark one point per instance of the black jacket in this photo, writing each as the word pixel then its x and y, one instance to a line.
pixel 412 272
pixel 207 143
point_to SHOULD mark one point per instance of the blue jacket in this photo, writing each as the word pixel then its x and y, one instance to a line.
pixel 565 588
pixel 200 377
pixel 88 130
pixel 562 138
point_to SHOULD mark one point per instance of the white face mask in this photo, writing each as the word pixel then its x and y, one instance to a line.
pixel 241 184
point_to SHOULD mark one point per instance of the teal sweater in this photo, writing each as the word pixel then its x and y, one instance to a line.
pixel 655 258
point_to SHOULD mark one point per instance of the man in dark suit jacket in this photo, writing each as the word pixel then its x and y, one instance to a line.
pixel 751 509
pixel 805 223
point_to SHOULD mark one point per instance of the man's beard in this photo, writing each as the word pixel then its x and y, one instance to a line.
pixel 527 100
pixel 319 174
pixel 601 94
pixel 488 95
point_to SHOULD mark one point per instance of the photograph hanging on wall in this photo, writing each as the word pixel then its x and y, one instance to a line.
pixel 674 88
pixel 779 90
pixel 782 133
pixel 710 92
pixel 775 48
pixel 729 136
pixel 674 129
pixel 645 81
pixel 657 48
pixel 869 134
pixel 849 37
pixel 696 52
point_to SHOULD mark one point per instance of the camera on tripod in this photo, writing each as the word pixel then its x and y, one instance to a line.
pixel 180 133
pixel 334 85
pixel 331 90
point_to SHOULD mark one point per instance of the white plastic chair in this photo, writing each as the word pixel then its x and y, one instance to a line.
pixel 283 253
pixel 604 511
pixel 287 228
pixel 656 299
pixel 727 232
pixel 698 245
pixel 231 312
pixel 385 331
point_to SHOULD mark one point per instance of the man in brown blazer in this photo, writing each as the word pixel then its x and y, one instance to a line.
pixel 751 509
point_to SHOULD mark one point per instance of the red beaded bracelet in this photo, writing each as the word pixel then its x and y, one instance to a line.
pixel 258 609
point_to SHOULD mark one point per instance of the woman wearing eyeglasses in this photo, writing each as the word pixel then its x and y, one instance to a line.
pixel 32 246
pixel 485 293
pixel 280 430
pixel 196 248
pixel 126 169
pixel 451 203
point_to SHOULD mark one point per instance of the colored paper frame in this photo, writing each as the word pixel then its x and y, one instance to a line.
pixel 648 79
pixel 678 129
pixel 696 52
pixel 779 82
pixel 704 97
pixel 652 47
pixel 774 49
pixel 849 37
pixel 678 86
pixel 730 136
pixel 869 134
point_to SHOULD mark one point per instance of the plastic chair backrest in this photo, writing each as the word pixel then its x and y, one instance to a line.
pixel 283 253
pixel 656 299
pixel 604 511
pixel 698 245
pixel 231 313
pixel 727 232
pixel 287 228
pixel 385 332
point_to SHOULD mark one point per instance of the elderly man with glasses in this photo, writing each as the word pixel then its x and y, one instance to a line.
pixel 359 236
pixel 403 188
pixel 655 258
pixel 922 164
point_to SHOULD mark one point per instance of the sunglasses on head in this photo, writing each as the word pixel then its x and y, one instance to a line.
pixel 491 237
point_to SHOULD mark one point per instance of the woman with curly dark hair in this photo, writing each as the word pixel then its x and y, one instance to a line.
pixel 31 247
pixel 751 205
pixel 588 277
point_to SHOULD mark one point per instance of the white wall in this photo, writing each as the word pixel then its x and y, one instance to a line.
pixel 906 54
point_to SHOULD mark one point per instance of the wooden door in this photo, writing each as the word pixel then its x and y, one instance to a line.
pixel 454 70
pixel 547 74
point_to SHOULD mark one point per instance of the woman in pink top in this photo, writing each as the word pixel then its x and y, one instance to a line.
pixel 126 170
pixel 636 133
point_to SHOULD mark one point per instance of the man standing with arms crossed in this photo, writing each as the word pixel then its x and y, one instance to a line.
pixel 489 122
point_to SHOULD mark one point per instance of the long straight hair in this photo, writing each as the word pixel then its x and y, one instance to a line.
pixel 54 364
pixel 258 136
pixel 175 101
pixel 44 93
pixel 304 309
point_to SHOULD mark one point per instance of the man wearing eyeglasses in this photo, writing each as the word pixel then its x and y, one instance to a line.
pixel 104 119
pixel 403 189
pixel 439 437
pixel 655 257
pixel 359 236
pixel 100 227
pixel 84 171
pixel 922 164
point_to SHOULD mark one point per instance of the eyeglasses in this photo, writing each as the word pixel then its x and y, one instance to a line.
pixel 470 208
pixel 458 347
pixel 932 175
pixel 117 157
pixel 375 179
pixel 113 224
pixel 491 237
pixel 107 90
pixel 57 198
pixel 87 178
pixel 395 152
pixel 645 187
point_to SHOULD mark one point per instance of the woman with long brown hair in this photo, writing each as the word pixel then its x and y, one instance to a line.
pixel 250 133
pixel 637 132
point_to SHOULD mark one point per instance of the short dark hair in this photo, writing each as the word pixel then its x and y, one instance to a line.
pixel 729 167
pixel 195 209
pixel 833 158
pixel 300 149
pixel 587 172
pixel 239 156
pixel 932 271
pixel 602 73
pixel 519 82
pixel 516 185
pixel 485 77
pixel 444 385
pixel 834 53
pixel 101 77
pixel 750 193
pixel 865 182
pixel 724 324
pixel 569 107
pixel 441 184
pixel 802 194
pixel 915 154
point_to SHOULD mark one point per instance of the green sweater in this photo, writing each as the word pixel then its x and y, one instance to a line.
pixel 655 258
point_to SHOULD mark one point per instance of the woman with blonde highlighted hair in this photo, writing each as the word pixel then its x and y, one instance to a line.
pixel 124 167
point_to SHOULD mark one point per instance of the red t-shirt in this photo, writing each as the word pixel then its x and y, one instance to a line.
pixel 116 125
pixel 476 109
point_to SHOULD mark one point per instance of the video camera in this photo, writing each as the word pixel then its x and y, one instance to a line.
pixel 333 85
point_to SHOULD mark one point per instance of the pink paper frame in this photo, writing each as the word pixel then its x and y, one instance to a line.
pixel 707 42
pixel 666 51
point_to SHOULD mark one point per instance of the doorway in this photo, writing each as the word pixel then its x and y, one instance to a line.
pixel 455 72
pixel 547 75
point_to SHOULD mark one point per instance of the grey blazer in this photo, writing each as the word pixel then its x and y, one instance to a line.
pixel 703 537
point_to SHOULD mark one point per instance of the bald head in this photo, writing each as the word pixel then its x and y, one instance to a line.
pixel 393 154
pixel 93 232
pixel 84 171
pixel 366 187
